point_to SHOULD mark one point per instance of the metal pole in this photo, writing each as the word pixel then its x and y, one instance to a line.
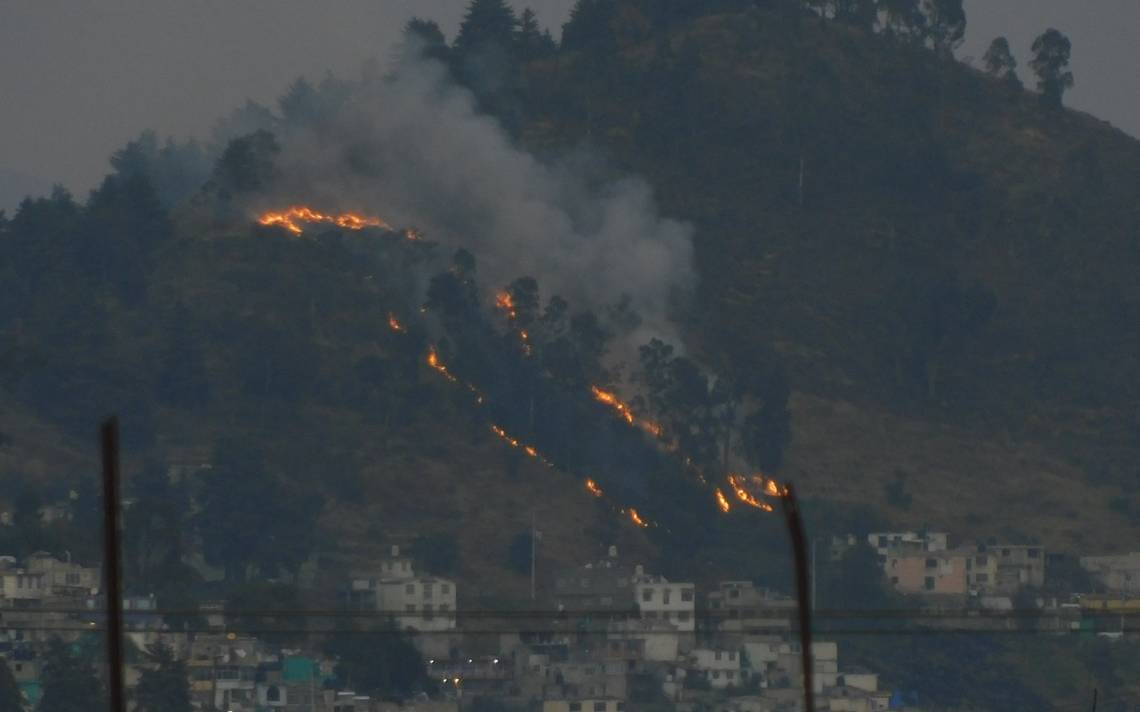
pixel 109 435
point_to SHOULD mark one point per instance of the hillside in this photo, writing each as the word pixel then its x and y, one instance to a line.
pixel 943 269
pixel 927 189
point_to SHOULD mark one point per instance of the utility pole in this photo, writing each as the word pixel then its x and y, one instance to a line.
pixel 813 541
pixel 532 555
pixel 112 574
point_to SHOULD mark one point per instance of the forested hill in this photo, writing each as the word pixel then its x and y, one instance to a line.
pixel 909 234
pixel 915 285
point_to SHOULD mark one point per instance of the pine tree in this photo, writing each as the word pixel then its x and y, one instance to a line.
pixel 1051 51
pixel 70 683
pixel 530 41
pixel 487 25
pixel 423 39
pixel 164 687
pixel 590 26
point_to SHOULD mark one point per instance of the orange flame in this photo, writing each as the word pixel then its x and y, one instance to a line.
pixel 722 501
pixel 614 402
pixel 771 487
pixel 292 219
pixel 633 515
pixel 504 301
pixel 737 483
pixel 394 323
pixel 435 363
pixel 593 488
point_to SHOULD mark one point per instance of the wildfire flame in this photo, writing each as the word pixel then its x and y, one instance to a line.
pixel 771 487
pixel 614 402
pixel 295 216
pixel 593 488
pixel 504 301
pixel 737 484
pixel 722 501
pixel 633 515
pixel 395 325
pixel 434 361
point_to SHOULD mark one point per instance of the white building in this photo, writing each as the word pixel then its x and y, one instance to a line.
pixel 656 598
pixel 418 603
pixel 65 579
pixel 885 543
pixel 721 668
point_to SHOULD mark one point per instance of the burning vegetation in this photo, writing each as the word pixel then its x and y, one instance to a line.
pixel 296 217
pixel 521 311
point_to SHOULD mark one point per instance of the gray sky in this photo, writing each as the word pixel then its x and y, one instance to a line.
pixel 78 78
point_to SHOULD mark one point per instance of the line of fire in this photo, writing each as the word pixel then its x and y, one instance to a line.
pixel 516 307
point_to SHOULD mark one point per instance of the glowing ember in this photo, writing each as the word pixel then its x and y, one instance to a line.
pixel 722 501
pixel 435 363
pixel 394 323
pixel 650 427
pixel 633 515
pixel 503 435
pixel 771 487
pixel 504 301
pixel 737 483
pixel 593 488
pixel 295 216
pixel 614 402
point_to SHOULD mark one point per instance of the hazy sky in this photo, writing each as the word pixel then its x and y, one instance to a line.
pixel 78 78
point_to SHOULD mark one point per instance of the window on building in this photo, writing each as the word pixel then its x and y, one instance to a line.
pixel 716 674
pixel 427 612
pixel 273 694
pixel 983 578
pixel 410 588
pixel 969 563
pixel 1033 553
pixel 982 560
pixel 932 563
pixel 599 707
pixel 445 588
pixel 575 707
pixel 410 608
pixel 665 596
pixel 929 583
pixel 647 594
pixel 734 593
pixel 718 655
pixel 687 595
pixel 731 656
pixel 427 590
pixel 882 540
pixel 729 674
pixel 683 616
pixel 444 607
pixel 1005 552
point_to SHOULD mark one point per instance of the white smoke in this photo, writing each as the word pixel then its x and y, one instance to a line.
pixel 415 150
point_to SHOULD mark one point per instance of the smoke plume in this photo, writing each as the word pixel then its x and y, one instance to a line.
pixel 414 149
